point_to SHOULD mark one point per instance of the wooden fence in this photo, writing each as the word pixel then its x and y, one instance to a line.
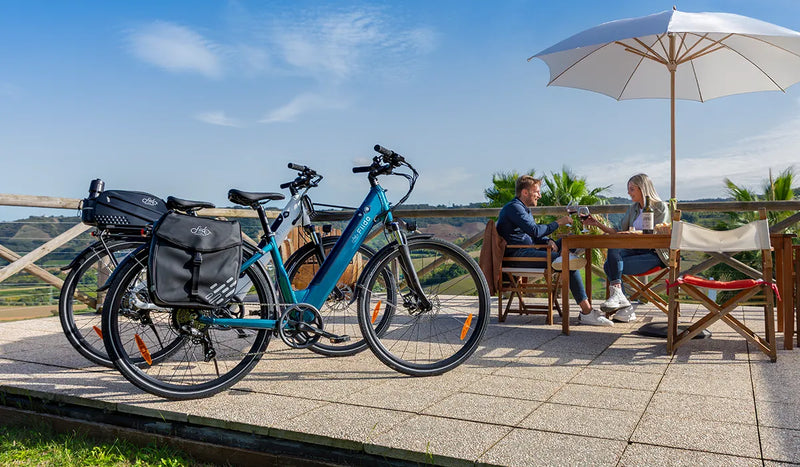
pixel 27 262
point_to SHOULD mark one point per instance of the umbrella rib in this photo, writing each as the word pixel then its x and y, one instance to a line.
pixel 656 56
pixel 688 50
pixel 721 45
pixel 705 50
pixel 697 82
pixel 630 77
pixel 576 62
pixel 641 54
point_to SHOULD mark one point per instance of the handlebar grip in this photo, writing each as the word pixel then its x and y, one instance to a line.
pixel 383 150
pixel 389 153
pixel 298 167
pixel 286 185
pixel 362 169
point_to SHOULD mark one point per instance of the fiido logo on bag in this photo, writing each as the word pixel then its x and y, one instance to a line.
pixel 150 201
pixel 201 231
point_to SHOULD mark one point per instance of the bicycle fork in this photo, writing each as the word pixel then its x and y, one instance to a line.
pixel 416 299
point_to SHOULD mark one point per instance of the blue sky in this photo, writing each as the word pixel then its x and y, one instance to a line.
pixel 193 98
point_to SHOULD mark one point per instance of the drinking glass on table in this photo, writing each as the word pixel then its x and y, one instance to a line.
pixel 583 214
pixel 572 209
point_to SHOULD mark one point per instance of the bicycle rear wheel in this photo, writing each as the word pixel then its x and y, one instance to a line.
pixel 80 304
pixel 206 360
pixel 422 342
pixel 340 311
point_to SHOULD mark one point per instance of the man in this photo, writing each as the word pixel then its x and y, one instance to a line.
pixel 517 226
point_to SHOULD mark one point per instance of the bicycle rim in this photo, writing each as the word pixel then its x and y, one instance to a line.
pixel 80 304
pixel 208 360
pixel 417 342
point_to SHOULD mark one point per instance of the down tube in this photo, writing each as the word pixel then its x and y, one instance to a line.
pixel 370 211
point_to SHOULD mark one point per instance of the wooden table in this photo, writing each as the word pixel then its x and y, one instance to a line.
pixel 781 244
pixel 589 242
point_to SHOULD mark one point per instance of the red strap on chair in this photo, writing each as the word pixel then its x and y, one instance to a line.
pixel 728 285
pixel 647 273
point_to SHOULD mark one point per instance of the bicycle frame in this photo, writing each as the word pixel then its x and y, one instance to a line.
pixel 375 207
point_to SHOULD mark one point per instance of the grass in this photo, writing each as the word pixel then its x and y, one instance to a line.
pixel 42 446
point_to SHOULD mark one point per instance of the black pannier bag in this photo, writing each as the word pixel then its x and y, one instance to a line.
pixel 194 262
pixel 122 210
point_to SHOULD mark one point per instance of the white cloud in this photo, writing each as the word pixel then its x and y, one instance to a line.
pixel 339 45
pixel 175 48
pixel 217 118
pixel 746 162
pixel 299 105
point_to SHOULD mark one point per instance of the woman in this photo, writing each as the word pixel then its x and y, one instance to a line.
pixel 631 261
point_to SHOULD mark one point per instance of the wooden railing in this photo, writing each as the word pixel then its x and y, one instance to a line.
pixel 27 262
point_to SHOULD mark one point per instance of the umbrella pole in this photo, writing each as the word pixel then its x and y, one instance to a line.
pixel 672 66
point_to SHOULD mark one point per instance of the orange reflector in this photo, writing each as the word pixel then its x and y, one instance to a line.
pixel 375 311
pixel 143 349
pixel 98 331
pixel 465 328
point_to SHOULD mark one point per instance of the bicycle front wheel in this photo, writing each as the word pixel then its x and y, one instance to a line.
pixel 422 341
pixel 80 304
pixel 201 360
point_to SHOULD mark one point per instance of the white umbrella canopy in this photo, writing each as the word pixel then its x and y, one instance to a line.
pixel 677 55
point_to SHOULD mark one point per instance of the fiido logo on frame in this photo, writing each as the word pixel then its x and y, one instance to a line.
pixel 150 201
pixel 201 231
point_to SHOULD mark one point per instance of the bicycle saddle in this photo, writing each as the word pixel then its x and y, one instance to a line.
pixel 247 198
pixel 186 205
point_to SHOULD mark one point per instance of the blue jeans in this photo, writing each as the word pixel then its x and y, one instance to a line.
pixel 629 261
pixel 575 279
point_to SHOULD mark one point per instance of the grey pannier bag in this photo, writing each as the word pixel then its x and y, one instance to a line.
pixel 194 261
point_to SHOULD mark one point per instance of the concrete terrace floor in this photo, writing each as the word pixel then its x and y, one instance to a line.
pixel 529 396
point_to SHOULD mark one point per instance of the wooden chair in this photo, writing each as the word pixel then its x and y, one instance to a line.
pixel 750 237
pixel 518 282
pixel 642 290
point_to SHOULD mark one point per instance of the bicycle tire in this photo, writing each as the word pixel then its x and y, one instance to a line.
pixel 425 343
pixel 90 271
pixel 187 371
pixel 340 311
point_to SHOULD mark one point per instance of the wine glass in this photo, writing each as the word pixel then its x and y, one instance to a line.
pixel 572 209
pixel 583 214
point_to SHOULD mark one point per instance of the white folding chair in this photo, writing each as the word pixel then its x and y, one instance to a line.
pixel 750 237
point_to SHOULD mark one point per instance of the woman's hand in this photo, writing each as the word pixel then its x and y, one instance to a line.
pixel 591 222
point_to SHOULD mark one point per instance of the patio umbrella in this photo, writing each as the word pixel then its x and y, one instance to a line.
pixel 677 55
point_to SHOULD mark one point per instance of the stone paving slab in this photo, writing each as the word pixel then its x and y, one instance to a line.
pixel 529 396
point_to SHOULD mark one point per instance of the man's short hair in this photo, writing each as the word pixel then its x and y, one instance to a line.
pixel 526 182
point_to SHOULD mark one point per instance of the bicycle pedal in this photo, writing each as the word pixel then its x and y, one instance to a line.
pixel 340 339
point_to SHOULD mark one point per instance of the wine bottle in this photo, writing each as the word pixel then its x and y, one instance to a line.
pixel 647 217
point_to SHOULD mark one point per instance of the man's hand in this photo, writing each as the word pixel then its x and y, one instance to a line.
pixel 564 220
pixel 552 245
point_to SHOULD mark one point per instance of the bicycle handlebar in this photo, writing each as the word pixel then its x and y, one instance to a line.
pixel 307 178
pixel 362 169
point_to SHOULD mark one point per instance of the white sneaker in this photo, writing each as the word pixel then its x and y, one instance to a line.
pixel 625 315
pixel 616 300
pixel 594 318
pixel 575 263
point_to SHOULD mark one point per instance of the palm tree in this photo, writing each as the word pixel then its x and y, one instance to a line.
pixel 563 188
pixel 778 189
pixel 504 188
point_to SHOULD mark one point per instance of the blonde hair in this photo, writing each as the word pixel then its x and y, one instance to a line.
pixel 525 182
pixel 645 186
